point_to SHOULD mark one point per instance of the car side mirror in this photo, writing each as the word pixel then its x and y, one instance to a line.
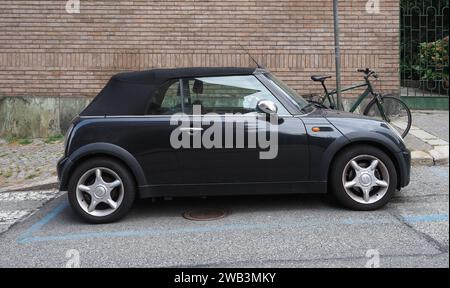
pixel 266 107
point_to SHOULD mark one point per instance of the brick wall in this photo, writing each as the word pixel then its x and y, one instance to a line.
pixel 45 51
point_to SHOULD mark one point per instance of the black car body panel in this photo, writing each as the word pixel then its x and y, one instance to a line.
pixel 111 127
pixel 361 129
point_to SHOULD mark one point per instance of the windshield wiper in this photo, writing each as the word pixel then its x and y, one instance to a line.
pixel 310 104
pixel 313 103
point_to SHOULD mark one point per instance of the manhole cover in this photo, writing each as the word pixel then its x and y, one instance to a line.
pixel 205 214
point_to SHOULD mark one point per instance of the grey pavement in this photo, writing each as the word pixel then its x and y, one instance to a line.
pixel 434 122
pixel 25 165
pixel 415 144
pixel 260 231
pixel 428 138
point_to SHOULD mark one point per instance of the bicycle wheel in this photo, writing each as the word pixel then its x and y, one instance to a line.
pixel 396 111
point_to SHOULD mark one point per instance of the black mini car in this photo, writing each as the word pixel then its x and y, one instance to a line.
pixel 221 131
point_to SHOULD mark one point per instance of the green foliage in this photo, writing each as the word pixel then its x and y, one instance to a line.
pixel 11 139
pixel 422 50
pixel 31 176
pixel 54 138
pixel 433 61
pixel 8 173
pixel 24 141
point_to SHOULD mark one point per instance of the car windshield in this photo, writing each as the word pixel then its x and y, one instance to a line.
pixel 289 92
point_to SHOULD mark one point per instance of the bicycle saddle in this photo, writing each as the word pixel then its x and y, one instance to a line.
pixel 320 78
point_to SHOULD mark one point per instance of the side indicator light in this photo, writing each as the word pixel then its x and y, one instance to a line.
pixel 315 129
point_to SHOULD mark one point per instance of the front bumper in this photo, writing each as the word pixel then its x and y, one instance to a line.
pixel 405 168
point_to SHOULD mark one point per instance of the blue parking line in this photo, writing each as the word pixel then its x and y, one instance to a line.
pixel 444 174
pixel 426 218
pixel 441 171
pixel 28 237
pixel 46 219
pixel 185 230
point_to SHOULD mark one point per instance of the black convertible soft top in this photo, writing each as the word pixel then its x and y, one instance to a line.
pixel 129 93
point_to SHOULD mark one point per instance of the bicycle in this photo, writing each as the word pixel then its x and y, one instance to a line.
pixel 385 107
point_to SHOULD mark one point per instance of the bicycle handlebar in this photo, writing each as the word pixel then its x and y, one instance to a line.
pixel 368 72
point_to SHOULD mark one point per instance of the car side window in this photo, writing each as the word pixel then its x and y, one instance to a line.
pixel 227 94
pixel 167 100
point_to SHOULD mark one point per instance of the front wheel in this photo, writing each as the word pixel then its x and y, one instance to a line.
pixel 363 178
pixel 395 111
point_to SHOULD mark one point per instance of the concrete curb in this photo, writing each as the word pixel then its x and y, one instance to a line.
pixel 438 155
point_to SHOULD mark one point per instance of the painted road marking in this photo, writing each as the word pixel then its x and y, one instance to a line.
pixel 12 205
pixel 9 217
pixel 46 219
pixel 28 235
pixel 27 196
pixel 426 218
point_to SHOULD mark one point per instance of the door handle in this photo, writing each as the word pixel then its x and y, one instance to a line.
pixel 191 130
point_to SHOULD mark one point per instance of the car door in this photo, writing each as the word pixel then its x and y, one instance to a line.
pixel 159 159
pixel 230 102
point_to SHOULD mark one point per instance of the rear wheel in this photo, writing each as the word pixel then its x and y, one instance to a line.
pixel 101 190
pixel 363 178
pixel 396 111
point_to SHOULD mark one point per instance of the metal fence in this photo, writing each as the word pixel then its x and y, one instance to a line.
pixel 424 50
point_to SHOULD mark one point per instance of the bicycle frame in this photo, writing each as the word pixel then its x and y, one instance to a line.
pixel 368 91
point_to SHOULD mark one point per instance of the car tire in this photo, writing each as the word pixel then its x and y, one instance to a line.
pixel 362 186
pixel 85 185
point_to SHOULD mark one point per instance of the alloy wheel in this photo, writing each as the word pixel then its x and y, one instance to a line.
pixel 99 191
pixel 365 179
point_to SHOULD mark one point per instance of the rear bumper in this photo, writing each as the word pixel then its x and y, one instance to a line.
pixel 62 168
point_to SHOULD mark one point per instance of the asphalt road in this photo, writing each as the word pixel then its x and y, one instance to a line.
pixel 260 231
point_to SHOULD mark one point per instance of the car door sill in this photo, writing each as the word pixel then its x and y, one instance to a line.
pixel 213 189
